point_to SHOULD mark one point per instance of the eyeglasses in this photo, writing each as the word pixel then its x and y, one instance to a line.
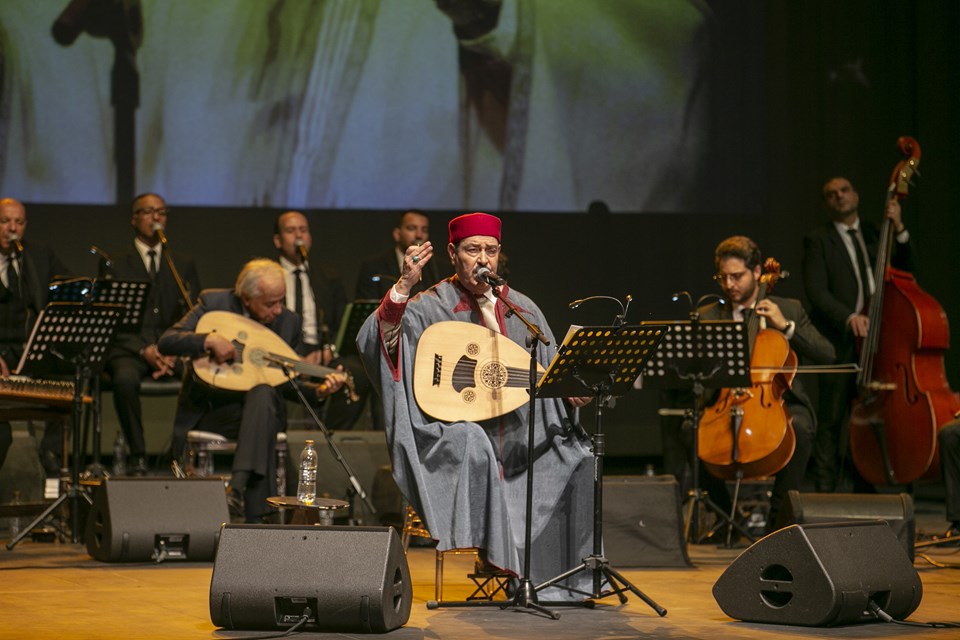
pixel 149 211
pixel 474 250
pixel 732 277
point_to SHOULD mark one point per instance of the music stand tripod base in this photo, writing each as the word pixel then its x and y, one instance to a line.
pixel 604 362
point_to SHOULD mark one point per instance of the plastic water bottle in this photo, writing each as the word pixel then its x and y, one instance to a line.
pixel 15 520
pixel 119 455
pixel 307 487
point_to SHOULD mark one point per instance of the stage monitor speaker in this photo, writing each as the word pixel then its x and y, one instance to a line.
pixel 817 508
pixel 642 522
pixel 353 579
pixel 140 519
pixel 821 575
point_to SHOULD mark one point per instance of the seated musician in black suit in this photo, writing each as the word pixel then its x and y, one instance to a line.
pixel 26 269
pixel 253 417
pixel 134 357
pixel 738 264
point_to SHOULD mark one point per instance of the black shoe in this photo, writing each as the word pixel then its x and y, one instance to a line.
pixel 139 467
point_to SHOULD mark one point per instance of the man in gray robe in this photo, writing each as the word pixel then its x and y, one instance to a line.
pixel 467 480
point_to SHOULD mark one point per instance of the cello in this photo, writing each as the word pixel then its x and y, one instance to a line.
pixel 903 396
pixel 748 433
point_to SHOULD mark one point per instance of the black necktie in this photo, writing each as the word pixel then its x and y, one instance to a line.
pixel 861 263
pixel 13 278
pixel 153 263
pixel 298 292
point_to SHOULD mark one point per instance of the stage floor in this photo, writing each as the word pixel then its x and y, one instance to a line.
pixel 52 590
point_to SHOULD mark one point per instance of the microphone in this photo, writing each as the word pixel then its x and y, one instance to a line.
pixel 158 228
pixel 301 248
pixel 485 275
pixel 17 245
pixel 97 251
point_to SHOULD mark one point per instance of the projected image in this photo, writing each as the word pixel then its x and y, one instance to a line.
pixel 537 105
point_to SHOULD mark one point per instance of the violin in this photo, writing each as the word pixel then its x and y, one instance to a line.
pixel 904 397
pixel 748 432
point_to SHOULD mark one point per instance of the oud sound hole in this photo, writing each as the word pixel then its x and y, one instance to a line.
pixel 493 375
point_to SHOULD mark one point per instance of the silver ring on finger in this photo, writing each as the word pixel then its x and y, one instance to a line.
pixel 415 259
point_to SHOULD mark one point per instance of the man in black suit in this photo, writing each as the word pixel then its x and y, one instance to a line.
pixel 317 295
pixel 838 261
pixel 25 271
pixel 738 263
pixel 134 356
pixel 255 417
pixel 378 273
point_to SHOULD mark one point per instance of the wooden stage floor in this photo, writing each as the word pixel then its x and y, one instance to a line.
pixel 52 590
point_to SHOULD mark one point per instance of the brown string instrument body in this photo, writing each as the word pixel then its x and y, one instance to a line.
pixel 904 397
pixel 748 432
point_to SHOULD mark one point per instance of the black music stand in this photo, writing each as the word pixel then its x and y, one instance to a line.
pixel 131 296
pixel 69 336
pixel 692 353
pixel 353 318
pixel 603 361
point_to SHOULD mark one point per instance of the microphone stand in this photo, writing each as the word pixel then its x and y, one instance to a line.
pixel 526 594
pixel 173 269
pixel 356 489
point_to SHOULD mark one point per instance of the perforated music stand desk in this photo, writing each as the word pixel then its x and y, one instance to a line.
pixel 131 295
pixel 353 318
pixel 591 356
pixel 714 351
pixel 65 332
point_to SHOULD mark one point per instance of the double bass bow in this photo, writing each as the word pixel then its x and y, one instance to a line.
pixel 748 433
pixel 904 397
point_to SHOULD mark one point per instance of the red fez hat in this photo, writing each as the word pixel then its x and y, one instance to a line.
pixel 474 224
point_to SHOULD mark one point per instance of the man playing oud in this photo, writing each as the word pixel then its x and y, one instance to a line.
pixel 467 479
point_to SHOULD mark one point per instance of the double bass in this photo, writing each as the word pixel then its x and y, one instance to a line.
pixel 903 395
pixel 748 433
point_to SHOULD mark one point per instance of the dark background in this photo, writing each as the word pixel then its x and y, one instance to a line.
pixel 802 91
